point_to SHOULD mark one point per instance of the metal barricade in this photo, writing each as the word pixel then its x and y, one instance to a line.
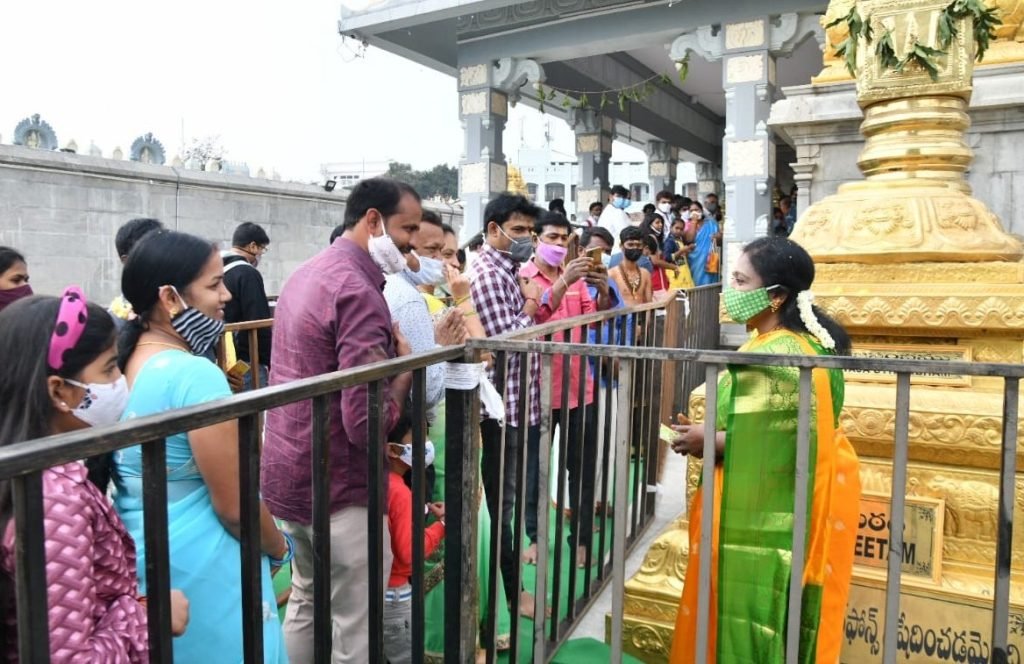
pixel 626 351
pixel 23 463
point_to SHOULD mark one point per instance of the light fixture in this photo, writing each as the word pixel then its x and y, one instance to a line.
pixel 330 185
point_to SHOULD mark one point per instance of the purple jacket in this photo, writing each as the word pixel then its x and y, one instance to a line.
pixel 91 584
pixel 331 315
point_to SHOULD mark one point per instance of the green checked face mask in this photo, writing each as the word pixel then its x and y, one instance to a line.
pixel 742 305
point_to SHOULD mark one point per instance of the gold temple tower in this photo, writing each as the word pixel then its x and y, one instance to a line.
pixel 913 267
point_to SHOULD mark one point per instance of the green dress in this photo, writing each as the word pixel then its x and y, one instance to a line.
pixel 434 599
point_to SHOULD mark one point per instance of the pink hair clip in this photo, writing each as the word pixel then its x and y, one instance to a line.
pixel 71 319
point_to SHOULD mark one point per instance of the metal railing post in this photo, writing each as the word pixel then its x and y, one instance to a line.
pixel 30 569
pixel 462 438
pixel 1004 522
pixel 620 497
pixel 704 607
pixel 250 537
pixel 158 556
pixel 321 461
pixel 800 516
pixel 898 493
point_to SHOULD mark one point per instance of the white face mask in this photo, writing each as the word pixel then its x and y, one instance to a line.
pixel 103 403
pixel 385 253
pixel 428 454
pixel 431 272
pixel 664 208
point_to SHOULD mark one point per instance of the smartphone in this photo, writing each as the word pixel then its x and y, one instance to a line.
pixel 239 369
pixel 595 255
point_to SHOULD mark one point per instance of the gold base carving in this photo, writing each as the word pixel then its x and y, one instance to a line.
pixel 880 221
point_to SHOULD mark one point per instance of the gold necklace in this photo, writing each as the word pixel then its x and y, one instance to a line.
pixel 633 282
pixel 160 343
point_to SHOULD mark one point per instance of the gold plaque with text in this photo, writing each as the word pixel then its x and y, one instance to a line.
pixel 930 629
pixel 922 535
pixel 912 352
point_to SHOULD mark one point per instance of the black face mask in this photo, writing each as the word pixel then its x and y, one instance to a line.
pixel 632 255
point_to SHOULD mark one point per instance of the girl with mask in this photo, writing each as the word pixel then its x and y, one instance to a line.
pixel 60 376
pixel 653 227
pixel 13 277
pixel 174 283
pixel 755 474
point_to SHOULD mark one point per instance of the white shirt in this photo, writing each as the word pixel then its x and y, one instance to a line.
pixel 409 310
pixel 614 220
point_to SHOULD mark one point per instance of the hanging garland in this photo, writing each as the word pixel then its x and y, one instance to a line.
pixel 919 55
pixel 600 99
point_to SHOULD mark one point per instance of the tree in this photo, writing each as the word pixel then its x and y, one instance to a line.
pixel 441 181
pixel 204 149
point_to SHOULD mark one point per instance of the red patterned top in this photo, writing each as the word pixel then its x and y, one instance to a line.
pixel 92 587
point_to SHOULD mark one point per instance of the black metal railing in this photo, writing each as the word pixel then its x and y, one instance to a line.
pixel 24 463
pixel 627 353
pixel 607 449
pixel 713 362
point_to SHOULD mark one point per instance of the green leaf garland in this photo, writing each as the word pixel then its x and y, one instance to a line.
pixel 985 22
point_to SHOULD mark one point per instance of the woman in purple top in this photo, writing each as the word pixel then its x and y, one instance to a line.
pixel 60 374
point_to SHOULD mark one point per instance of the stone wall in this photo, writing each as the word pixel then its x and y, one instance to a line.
pixel 62 210
pixel 823 124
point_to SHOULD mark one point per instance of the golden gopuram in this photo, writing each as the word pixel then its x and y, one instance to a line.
pixel 914 267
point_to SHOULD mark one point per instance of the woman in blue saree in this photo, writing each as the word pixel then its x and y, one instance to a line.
pixel 705 233
pixel 174 283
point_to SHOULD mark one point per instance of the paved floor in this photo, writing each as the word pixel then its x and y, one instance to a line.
pixel 669 505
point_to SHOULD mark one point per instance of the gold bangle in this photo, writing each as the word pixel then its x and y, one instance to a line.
pixel 467 314
pixel 462 299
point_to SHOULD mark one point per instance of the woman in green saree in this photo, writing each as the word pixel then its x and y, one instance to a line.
pixel 755 476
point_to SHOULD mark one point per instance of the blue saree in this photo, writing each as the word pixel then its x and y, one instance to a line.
pixel 205 558
pixel 698 258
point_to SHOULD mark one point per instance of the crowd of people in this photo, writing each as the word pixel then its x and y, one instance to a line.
pixel 392 282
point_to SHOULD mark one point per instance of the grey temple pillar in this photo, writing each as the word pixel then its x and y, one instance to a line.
pixel 485 92
pixel 594 153
pixel 748 74
pixel 662 162
pixel 748 50
pixel 709 179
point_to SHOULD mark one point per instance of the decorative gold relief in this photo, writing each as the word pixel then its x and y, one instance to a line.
pixel 834 69
pixel 974 312
pixel 914 205
pixel 855 278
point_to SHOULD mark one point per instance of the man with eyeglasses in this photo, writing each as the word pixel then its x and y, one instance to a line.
pixel 248 295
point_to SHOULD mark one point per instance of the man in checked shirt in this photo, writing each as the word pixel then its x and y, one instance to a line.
pixel 506 303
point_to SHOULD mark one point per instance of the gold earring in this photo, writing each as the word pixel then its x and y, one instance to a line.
pixel 175 312
pixel 775 307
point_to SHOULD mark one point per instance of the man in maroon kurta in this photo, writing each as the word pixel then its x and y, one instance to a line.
pixel 331 316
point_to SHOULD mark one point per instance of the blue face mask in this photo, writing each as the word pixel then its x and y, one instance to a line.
pixel 620 203
pixel 431 272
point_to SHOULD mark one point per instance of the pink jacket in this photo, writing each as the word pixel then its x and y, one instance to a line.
pixel 92 587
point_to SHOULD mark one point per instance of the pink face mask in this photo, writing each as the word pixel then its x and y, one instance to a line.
pixel 551 254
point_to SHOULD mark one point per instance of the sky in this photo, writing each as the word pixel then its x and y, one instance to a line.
pixel 272 79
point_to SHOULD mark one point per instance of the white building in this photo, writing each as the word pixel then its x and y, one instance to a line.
pixel 348 173
pixel 550 174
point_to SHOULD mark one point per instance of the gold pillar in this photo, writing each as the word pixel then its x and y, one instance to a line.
pixel 913 266
pixel 1007 47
